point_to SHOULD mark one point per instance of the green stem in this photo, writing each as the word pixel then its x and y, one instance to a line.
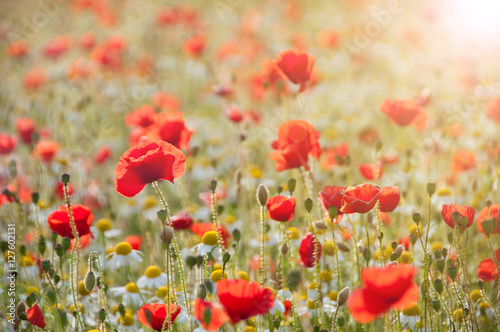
pixel 316 266
pixel 367 237
pixel 263 246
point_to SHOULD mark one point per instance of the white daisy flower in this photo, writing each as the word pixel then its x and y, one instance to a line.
pixel 208 245
pixel 124 255
pixel 130 294
pixel 152 278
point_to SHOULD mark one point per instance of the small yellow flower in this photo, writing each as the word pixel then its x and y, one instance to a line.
pixel 149 202
pixel 103 225
pixel 243 275
pixel 26 260
pixel 255 172
pixel 218 275
pixel 325 276
pixel 411 309
pixel 476 295
pixel 161 292
pixel 230 219
pixel 333 295
pixel 406 258
pixel 311 305
pixel 123 248
pixel 436 246
pixel 329 248
pixel 249 328
pixel 458 316
pixel 312 285
pixel 443 192
pixel 131 288
pixel 43 204
pixel 152 271
pixel 32 289
pixel 415 230
pixel 126 320
pixel 209 238
pixel 293 233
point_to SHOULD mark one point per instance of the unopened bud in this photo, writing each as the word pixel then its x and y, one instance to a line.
pixel 431 188
pixel 343 296
pixel 89 281
pixel 487 226
pixel 284 249
pixel 291 185
pixel 167 235
pixel 438 285
pixel 162 215
pixel 308 204
pixel 236 235
pixel 262 194
pixel 46 265
pixel 416 217
pixel 35 197
pixel 226 257
pixel 65 178
pixel 452 272
pixel 201 291
pixel 399 250
pixel 213 184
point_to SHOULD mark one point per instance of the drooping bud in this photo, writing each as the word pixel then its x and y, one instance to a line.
pixel 167 235
pixel 162 215
pixel 201 291
pixel 284 249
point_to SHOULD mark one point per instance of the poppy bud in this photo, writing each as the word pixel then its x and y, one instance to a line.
pixel 12 168
pixel 413 239
pixel 416 217
pixel 463 221
pixel 343 247
pixel 480 283
pixel 22 250
pixel 487 225
pixel 20 307
pixel 51 296
pixel 291 185
pixel 66 243
pixel 102 315
pixel 319 225
pixel 207 316
pixel 450 237
pixel 343 296
pixel 444 251
pixel 438 254
pixel 35 197
pixel 276 323
pixel 65 178
pixel 262 194
pixel 209 285
pixel 167 235
pixel 59 250
pixel 284 249
pixel 394 244
pixel 56 278
pixel 431 188
pixel 452 272
pixel 8 193
pixel 455 216
pixel 162 215
pixel 399 250
pixel 236 235
pixel 293 280
pixel 41 245
pixel 23 316
pixel 46 265
pixel 308 204
pixel 436 305
pixel 367 254
pixel 488 203
pixel 213 184
pixel 381 236
pixel 438 285
pixel 279 190
pixel 340 321
pixel 190 261
pixel 226 257
pixel 31 299
pixel 316 328
pixel 121 309
pixel 201 291
pixel 440 265
pixel 89 281
pixel 333 212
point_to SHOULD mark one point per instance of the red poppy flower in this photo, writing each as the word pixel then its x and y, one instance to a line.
pixel 297 140
pixel 144 116
pixel 234 113
pixel 25 128
pixel 57 46
pixel 331 196
pixel 59 221
pixel 463 212
pixel 281 208
pixel 493 214
pixel 87 40
pixel 463 160
pixel 166 102
pixel 135 241
pixel 7 143
pixel 296 65
pixel 171 128
pixel 360 199
pixel 401 111
pixel 153 315
pixel 217 315
pixel 84 242
pixel 405 241
pixel 59 189
pixel 109 53
pixel 146 163
pixel 243 299
pixel 201 228
pixel 35 316
pixel 194 46
pixel 487 269
pixel 389 198
pixel 17 48
pixel 383 289
pixel 493 109
pixel 307 249
pixel 181 220
pixel 335 156
pixel 46 150
pixel 371 171
pixel 102 155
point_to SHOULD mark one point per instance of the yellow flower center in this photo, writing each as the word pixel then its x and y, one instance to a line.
pixel 218 275
pixel 123 248
pixel 325 276
pixel 243 275
pixel 444 192
pixel 161 292
pixel 131 288
pixel 293 233
pixel 81 289
pixel 329 248
pixel 311 305
pixel 411 309
pixel 26 261
pixel 230 219
pixel 32 289
pixel 81 308
pixel 209 238
pixel 249 329
pixel 406 258
pixel 415 230
pixel 152 272
pixel 312 285
pixel 126 320
pixel 458 316
pixel 103 225
pixel 333 295
pixel 436 246
pixel 149 202
pixel 475 295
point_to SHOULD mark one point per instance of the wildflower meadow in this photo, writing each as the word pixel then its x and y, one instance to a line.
pixel 249 166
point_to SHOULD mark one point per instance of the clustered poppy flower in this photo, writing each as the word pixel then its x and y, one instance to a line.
pixel 296 65
pixel 465 211
pixel 216 317
pixel 154 315
pixel 307 250
pixel 487 269
pixel 389 198
pixel 371 171
pixel 281 208
pixel 181 220
pixel 335 156
pixel 401 111
pixel 146 163
pixel 60 223
pixel 383 289
pixel 243 299
pixel 359 199
pixel 25 128
pixel 489 212
pixel 7 143
pixel 297 140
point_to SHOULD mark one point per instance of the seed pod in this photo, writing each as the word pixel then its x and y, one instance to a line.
pixel 291 185
pixel 316 328
pixel 41 245
pixel 452 272
pixel 65 178
pixel 201 291
pixel 340 321
pixel 162 215
pixel 284 249
pixel 440 263
pixel 436 305
pixel 487 226
pixel 308 204
pixel 431 188
pixel 237 235
pixel 213 184
pixel 102 315
pixel 35 197
pixel 480 283
pixel 438 285
pixel 276 323
pixel 262 194
pixel 167 235
pixel 56 278
pixel 66 243
pixel 343 296
pixel 416 217
pixel 279 189
pixel 46 265
pixel 190 261
pixel 59 250
pixel 226 257
pixel 89 281
pixel 333 211
pixel 343 247
pixel 293 280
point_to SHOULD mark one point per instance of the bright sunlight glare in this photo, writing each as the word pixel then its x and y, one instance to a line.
pixel 476 18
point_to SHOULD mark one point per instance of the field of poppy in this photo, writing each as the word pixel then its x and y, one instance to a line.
pixel 275 165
